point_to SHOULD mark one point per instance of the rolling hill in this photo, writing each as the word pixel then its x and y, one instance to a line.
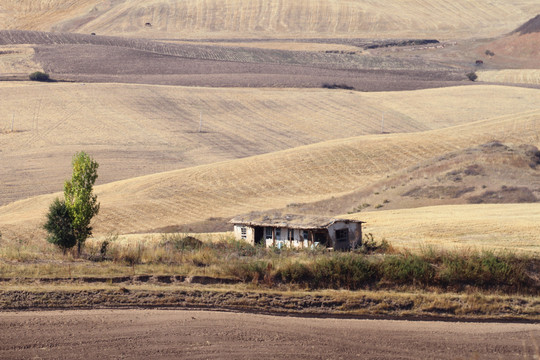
pixel 135 130
pixel 276 18
pixel 510 227
pixel 303 174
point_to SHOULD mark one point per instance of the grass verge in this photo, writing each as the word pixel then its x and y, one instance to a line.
pixel 386 304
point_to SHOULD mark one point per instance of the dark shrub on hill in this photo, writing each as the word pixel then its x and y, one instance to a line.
pixel 39 76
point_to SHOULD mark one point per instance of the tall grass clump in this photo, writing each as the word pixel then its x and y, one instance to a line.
pixel 485 269
pixel 251 270
pixel 349 271
pixel 407 269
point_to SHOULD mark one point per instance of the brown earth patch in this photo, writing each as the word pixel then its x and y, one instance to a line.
pixel 531 26
pixel 505 195
pixel 438 192
pixel 180 334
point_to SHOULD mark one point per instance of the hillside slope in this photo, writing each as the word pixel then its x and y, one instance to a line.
pixel 275 18
pixel 513 227
pixel 304 174
pixel 135 130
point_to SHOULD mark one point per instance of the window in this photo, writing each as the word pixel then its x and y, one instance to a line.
pixel 342 235
pixel 305 234
pixel 278 233
pixel 243 232
pixel 290 234
pixel 268 233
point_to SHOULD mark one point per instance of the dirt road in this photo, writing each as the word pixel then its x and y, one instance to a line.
pixel 105 334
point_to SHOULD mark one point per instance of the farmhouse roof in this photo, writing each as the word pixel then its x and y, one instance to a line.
pixel 291 221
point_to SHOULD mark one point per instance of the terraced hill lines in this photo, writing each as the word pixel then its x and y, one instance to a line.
pixel 276 18
pixel 42 14
pixel 112 45
pixel 137 130
pixel 501 226
pixel 268 181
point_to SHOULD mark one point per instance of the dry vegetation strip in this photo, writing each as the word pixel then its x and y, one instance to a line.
pixel 350 304
pixel 162 274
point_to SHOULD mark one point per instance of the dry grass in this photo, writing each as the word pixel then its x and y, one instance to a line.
pixel 17 59
pixel 242 297
pixel 512 227
pixel 244 18
pixel 516 76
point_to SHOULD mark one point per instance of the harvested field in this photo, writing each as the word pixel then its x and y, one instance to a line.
pixel 17 59
pixel 512 227
pixel 489 173
pixel 228 188
pixel 135 130
pixel 84 63
pixel 350 61
pixel 77 57
pixel 277 18
pixel 515 76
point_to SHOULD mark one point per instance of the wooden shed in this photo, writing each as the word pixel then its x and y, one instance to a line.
pixel 298 231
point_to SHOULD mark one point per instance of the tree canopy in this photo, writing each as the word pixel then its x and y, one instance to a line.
pixel 59 226
pixel 79 197
pixel 68 220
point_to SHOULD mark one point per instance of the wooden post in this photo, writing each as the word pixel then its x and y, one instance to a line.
pixel 273 236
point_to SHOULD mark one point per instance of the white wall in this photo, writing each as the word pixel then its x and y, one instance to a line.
pixel 250 234
pixel 354 230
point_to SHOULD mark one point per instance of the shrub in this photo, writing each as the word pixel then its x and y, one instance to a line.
pixel 181 242
pixel 485 269
pixel 349 271
pixel 337 86
pixel 59 226
pixel 408 268
pixel 251 270
pixel 472 76
pixel 39 76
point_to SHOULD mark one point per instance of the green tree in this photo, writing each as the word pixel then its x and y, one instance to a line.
pixel 79 197
pixel 59 226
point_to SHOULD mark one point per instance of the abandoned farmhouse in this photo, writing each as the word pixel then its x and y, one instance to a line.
pixel 298 231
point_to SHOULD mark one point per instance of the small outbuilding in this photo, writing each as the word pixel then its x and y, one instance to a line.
pixel 298 231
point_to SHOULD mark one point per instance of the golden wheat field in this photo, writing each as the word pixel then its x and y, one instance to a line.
pixel 516 76
pixel 273 180
pixel 135 130
pixel 17 59
pixel 511 227
pixel 275 18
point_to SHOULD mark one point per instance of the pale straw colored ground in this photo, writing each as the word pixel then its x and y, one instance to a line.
pixel 275 18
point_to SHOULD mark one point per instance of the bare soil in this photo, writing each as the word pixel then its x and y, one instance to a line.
pixel 174 334
pixel 78 57
pixel 97 63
